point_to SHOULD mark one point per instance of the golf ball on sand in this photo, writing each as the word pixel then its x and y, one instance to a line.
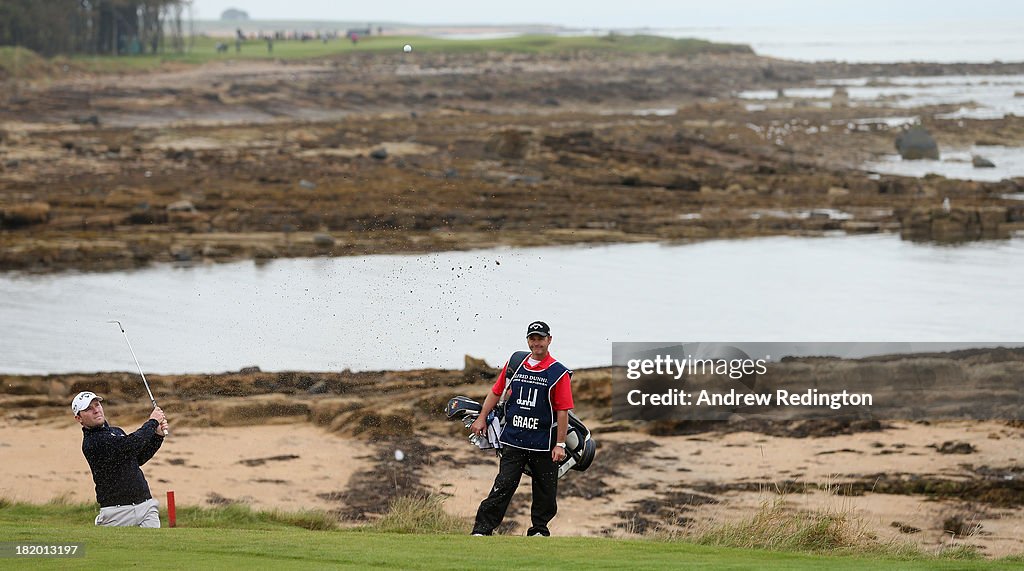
pixel 407 48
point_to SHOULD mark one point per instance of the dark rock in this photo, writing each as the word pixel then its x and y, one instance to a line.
pixel 1015 214
pixel 683 182
pixel 181 253
pixel 891 186
pixel 477 369
pixel 960 526
pixel 951 447
pixel 917 143
pixel 981 162
pixel 179 155
pixel 525 178
pixel 509 144
pixel 323 240
pixel 28 214
pixel 211 251
pixel 143 214
pixel 379 153
pixel 318 388
pixel 904 528
pixel 249 370
pixel 93 120
pixel 264 253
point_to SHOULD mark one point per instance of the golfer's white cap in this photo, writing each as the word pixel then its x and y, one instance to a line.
pixel 82 401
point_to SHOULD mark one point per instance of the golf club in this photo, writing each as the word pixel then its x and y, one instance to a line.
pixel 144 381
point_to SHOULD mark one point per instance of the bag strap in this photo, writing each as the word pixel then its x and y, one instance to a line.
pixel 514 362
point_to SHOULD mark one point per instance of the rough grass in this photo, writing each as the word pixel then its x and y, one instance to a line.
pixel 22 63
pixel 242 516
pixel 828 530
pixel 420 515
pixel 237 516
pixel 776 527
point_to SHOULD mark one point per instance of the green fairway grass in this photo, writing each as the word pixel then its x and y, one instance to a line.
pixel 203 49
pixel 235 537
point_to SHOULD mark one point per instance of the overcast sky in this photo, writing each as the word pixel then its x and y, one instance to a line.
pixel 625 13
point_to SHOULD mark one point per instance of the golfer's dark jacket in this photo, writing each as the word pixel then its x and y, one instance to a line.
pixel 114 458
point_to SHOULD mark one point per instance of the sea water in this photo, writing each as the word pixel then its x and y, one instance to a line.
pixel 413 311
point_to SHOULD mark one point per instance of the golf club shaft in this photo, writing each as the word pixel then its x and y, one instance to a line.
pixel 144 381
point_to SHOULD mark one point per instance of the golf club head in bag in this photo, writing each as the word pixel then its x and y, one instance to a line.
pixel 460 407
pixel 580 446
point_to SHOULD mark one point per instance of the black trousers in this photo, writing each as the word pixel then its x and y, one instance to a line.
pixel 510 471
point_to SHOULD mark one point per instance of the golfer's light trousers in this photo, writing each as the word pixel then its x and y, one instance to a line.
pixel 146 514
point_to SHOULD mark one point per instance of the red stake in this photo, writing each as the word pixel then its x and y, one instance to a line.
pixel 171 515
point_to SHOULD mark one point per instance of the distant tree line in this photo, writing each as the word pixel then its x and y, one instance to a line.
pixel 52 27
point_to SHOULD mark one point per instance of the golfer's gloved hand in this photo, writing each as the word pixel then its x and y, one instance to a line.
pixel 158 415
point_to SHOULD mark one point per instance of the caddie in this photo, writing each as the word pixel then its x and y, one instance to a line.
pixel 536 422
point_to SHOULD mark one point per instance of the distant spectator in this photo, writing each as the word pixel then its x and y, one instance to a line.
pixel 270 44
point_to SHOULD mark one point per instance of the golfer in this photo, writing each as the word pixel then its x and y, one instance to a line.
pixel 536 422
pixel 115 459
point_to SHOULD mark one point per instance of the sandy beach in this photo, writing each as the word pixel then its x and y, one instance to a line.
pixel 295 466
pixel 907 481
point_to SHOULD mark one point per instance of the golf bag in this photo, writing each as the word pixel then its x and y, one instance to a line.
pixel 580 447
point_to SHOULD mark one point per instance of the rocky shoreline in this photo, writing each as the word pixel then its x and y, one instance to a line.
pixel 365 155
